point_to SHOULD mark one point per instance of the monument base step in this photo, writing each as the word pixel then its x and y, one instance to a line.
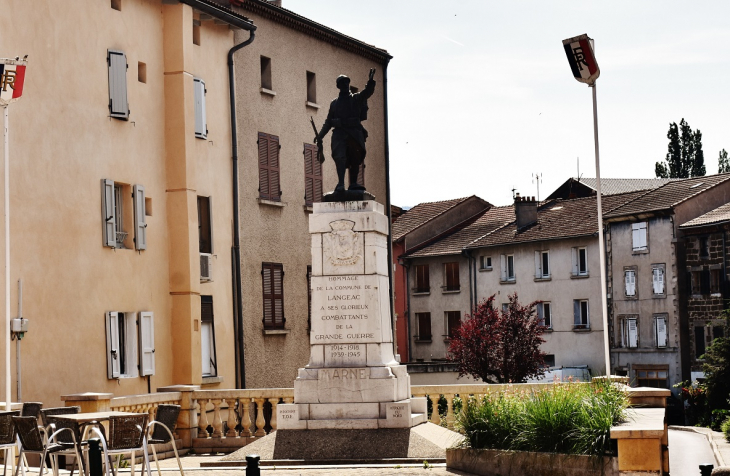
pixel 423 442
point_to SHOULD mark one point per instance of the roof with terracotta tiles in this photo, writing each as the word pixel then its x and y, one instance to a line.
pixel 720 214
pixel 668 195
pixel 421 214
pixel 452 244
pixel 556 219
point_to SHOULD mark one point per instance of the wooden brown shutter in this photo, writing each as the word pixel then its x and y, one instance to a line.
pixel 422 279
pixel 269 188
pixel 272 276
pixel 424 325
pixel 452 276
pixel 453 322
pixel 312 175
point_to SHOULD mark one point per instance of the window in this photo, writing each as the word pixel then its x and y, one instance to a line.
pixel 657 279
pixel 453 321
pixel 630 282
pixel 715 281
pixel 117 217
pixel 660 330
pixel 311 87
pixel 422 279
pixel 699 342
pixel 124 330
pixel 207 337
pixel 312 175
pixel 201 123
pixel 652 376
pixel 205 228
pixel 542 264
pixel 141 72
pixel 545 314
pixel 704 243
pixel 549 360
pixel 638 236
pixel 580 314
pixel 505 307
pixel 485 262
pixel 272 276
pixel 269 188
pixel 508 268
pixel 451 277
pixel 118 105
pixel 629 331
pixel 423 331
pixel 117 5
pixel 704 276
pixel 580 261
pixel 266 73
pixel 196 32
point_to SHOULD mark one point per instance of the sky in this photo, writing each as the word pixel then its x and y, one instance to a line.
pixel 481 97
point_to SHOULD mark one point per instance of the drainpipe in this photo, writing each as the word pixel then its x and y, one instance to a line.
pixel 467 254
pixel 387 203
pixel 236 251
pixel 407 268
pixel 476 275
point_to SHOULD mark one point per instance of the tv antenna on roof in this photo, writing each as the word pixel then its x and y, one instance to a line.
pixel 537 179
pixel 513 192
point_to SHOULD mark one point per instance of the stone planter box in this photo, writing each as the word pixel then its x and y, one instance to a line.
pixel 503 463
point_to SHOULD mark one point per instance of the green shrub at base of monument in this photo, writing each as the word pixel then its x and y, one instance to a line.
pixel 563 418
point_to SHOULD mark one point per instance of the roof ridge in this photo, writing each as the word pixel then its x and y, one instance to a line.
pixel 702 190
pixel 489 233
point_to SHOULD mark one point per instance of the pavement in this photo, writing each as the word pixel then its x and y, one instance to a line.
pixel 715 439
pixel 687 450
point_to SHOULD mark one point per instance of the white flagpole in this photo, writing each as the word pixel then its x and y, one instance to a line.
pixel 6 160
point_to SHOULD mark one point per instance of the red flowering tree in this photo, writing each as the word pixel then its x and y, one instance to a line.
pixel 499 346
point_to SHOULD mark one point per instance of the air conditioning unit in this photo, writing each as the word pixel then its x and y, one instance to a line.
pixel 206 267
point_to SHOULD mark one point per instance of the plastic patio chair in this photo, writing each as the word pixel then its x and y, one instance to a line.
pixel 7 436
pixel 160 431
pixel 126 435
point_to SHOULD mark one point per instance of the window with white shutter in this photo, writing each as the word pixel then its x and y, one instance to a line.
pixel 201 123
pixel 544 314
pixel 140 224
pixel 146 343
pixel 542 265
pixel 272 275
pixel 639 236
pixel 632 332
pixel 657 279
pixel 113 353
pixel 630 282
pixel 580 314
pixel 660 328
pixel 579 259
pixel 503 267
pixel 121 344
pixel 108 218
pixel 207 337
pixel 117 64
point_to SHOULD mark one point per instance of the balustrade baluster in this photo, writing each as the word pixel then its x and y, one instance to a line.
pixel 449 411
pixel 288 399
pixel 203 419
pixel 274 402
pixel 260 422
pixel 231 418
pixel 435 417
pixel 245 409
pixel 217 423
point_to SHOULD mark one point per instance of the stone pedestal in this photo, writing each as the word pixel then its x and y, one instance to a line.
pixel 352 380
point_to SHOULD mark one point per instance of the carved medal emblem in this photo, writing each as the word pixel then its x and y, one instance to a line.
pixel 343 244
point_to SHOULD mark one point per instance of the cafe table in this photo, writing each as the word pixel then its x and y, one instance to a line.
pixel 83 420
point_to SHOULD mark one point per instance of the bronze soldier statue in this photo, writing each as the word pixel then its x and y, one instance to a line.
pixel 346 113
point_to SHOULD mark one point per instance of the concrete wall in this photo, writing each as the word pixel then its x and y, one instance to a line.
pixel 63 143
pixel 570 347
pixel 279 234
pixel 661 250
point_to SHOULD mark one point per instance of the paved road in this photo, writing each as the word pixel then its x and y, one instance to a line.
pixel 687 450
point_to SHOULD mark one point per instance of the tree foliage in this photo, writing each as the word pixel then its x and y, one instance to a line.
pixel 499 346
pixel 723 163
pixel 685 157
pixel 717 371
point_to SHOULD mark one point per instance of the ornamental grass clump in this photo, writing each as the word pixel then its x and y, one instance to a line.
pixel 562 418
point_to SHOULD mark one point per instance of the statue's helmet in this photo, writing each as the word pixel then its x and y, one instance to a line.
pixel 343 81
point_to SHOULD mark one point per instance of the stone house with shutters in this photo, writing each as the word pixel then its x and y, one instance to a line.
pixel 132 172
pixel 647 254
pixel 707 249
pixel 283 78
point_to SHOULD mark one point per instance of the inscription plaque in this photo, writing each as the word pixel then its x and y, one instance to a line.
pixel 345 309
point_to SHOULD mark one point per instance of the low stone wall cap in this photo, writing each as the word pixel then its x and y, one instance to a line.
pixel 87 396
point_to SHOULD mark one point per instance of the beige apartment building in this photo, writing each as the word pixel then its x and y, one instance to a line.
pixel 122 189
pixel 283 78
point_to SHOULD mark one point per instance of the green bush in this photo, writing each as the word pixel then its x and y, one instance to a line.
pixel 563 418
pixel 725 427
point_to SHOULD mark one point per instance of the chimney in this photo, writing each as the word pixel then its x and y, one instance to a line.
pixel 525 211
